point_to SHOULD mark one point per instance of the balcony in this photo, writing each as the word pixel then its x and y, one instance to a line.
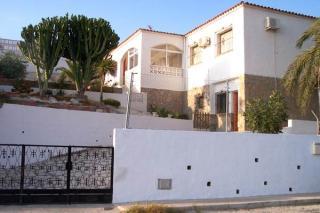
pixel 163 70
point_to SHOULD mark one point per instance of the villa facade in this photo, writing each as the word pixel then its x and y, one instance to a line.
pixel 240 54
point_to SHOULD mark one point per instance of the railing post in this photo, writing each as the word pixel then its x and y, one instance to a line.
pixel 23 150
pixel 112 168
pixel 68 167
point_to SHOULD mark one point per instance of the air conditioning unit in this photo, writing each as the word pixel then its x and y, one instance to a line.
pixel 204 42
pixel 271 24
pixel 194 44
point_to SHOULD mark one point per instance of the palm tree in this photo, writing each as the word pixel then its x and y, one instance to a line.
pixel 303 75
pixel 73 72
pixel 107 66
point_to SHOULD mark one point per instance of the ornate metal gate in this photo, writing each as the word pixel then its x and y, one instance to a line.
pixel 55 174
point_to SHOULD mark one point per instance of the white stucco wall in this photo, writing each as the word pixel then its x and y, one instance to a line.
pixel 158 81
pixel 49 126
pixel 269 53
pixel 301 127
pixel 217 67
pixel 227 160
pixel 117 55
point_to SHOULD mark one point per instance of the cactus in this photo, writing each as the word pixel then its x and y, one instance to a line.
pixel 30 49
pixel 43 45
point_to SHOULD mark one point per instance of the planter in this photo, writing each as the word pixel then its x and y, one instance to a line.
pixel 155 114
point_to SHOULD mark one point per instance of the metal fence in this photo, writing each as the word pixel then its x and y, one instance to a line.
pixel 55 174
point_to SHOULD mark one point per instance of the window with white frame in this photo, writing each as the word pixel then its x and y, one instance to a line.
pixel 195 55
pixel 133 57
pixel 166 55
pixel 225 41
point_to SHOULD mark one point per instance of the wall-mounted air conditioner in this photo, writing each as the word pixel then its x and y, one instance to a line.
pixel 204 42
pixel 194 44
pixel 271 24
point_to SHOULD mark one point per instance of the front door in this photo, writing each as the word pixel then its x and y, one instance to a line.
pixel 235 110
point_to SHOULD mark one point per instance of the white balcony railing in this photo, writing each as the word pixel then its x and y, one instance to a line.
pixel 163 70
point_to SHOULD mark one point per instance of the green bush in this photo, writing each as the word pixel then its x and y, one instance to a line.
pixel 151 209
pixel 112 102
pixel 266 116
pixel 183 116
pixel 162 112
pixel 12 66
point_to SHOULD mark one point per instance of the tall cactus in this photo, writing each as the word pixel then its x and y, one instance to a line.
pixel 31 50
pixel 89 41
pixel 52 42
pixel 43 45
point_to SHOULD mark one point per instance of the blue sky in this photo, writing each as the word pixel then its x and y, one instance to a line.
pixel 126 16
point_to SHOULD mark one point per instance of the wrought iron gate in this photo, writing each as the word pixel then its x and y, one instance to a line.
pixel 55 174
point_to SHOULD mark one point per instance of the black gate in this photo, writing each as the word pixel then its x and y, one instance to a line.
pixel 55 174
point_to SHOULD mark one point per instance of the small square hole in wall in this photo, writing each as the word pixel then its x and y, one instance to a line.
pixel 256 160
pixel 265 183
pixel 237 191
pixel 164 184
pixel 189 167
pixel 209 183
pixel 290 189
pixel 22 132
pixel 298 167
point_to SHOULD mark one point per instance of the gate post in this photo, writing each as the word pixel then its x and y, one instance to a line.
pixel 23 150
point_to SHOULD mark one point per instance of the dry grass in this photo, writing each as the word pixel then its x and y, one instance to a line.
pixel 151 209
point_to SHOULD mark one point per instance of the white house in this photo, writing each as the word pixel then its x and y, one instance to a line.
pixel 244 50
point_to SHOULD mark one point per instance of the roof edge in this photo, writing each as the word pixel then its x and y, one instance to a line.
pixel 146 30
pixel 243 3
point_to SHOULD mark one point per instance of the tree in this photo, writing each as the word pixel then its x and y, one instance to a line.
pixel 52 42
pixel 107 66
pixel 43 45
pixel 303 75
pixel 31 50
pixel 89 40
pixel 12 66
pixel 266 116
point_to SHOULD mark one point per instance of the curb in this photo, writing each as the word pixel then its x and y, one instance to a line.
pixel 234 205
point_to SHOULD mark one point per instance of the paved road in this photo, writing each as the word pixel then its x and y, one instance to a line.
pixel 101 208
pixel 294 209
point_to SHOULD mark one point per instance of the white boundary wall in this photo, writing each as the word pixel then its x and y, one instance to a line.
pixel 227 160
pixel 20 124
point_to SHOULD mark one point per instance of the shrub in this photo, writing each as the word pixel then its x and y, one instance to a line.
pixel 183 116
pixel 112 102
pixel 266 116
pixel 151 209
pixel 12 66
pixel 162 112
pixel 21 86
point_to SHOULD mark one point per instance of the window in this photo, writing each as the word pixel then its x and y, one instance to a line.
pixel 195 55
pixel 221 103
pixel 133 57
pixel 167 56
pixel 225 42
